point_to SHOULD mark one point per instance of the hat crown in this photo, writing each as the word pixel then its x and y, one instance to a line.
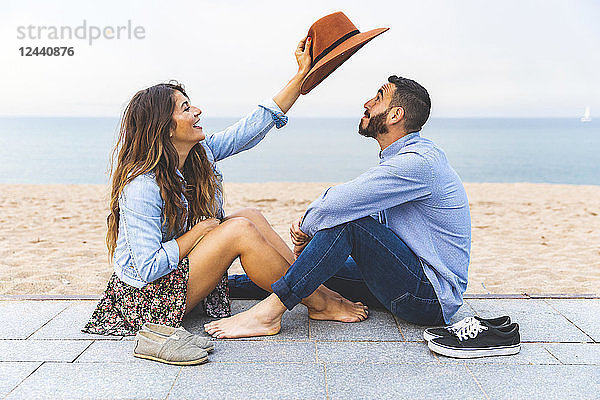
pixel 327 30
pixel 334 39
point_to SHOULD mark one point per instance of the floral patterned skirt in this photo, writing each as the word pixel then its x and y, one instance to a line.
pixel 123 309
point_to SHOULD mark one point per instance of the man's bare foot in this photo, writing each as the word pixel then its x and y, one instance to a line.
pixel 325 290
pixel 325 304
pixel 261 320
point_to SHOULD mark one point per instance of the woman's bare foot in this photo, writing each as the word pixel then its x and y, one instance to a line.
pixel 325 304
pixel 261 320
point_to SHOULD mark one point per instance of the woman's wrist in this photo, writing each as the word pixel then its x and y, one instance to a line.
pixel 301 74
pixel 198 239
pixel 198 231
pixel 296 81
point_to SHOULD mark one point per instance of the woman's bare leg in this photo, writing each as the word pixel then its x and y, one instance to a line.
pixel 267 231
pixel 213 255
pixel 256 321
pixel 282 248
pixel 264 265
pixel 240 237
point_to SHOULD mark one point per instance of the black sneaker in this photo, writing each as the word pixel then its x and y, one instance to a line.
pixel 433 333
pixel 478 340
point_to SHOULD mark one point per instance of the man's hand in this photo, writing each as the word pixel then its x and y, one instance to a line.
pixel 299 238
pixel 298 250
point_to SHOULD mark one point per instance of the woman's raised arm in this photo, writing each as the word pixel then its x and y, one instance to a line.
pixel 286 98
pixel 250 130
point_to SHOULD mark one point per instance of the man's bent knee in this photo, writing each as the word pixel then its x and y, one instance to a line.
pixel 360 221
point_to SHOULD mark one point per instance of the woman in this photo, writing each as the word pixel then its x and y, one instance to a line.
pixel 168 237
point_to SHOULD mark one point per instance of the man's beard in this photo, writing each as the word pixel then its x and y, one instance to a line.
pixel 375 127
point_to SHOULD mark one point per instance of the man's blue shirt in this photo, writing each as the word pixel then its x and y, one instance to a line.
pixel 416 193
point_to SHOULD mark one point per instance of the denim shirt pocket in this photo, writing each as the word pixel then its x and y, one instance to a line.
pixel 139 205
pixel 128 264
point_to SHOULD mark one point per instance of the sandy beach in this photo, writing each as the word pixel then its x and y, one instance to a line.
pixel 527 238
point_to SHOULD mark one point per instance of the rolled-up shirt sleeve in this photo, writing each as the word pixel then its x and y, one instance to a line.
pixel 279 117
pixel 247 132
pixel 140 210
pixel 381 187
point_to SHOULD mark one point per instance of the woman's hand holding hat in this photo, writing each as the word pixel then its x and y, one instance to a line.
pixel 290 93
pixel 303 57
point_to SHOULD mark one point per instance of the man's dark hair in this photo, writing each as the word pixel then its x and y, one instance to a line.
pixel 415 101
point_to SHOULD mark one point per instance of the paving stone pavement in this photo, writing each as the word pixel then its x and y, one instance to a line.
pixel 44 355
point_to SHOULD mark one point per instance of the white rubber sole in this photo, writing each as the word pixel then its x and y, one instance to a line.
pixel 428 336
pixel 191 362
pixel 474 353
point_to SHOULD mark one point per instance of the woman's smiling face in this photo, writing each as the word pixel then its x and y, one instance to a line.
pixel 186 117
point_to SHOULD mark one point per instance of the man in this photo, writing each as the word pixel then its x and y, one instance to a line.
pixel 414 257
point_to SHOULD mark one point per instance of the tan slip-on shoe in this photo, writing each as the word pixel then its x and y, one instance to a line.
pixel 166 331
pixel 169 350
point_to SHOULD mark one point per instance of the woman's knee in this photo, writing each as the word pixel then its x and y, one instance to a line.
pixel 250 213
pixel 239 226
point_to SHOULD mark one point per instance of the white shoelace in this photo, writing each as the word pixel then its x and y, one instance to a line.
pixel 463 322
pixel 470 330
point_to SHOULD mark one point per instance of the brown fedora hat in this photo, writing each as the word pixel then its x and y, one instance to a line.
pixel 334 40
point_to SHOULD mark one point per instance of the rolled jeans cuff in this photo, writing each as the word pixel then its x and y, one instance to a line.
pixel 283 291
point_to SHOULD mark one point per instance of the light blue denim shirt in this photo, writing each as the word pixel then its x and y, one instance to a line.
pixel 145 250
pixel 416 193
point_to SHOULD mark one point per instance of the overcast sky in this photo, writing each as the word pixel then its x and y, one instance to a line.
pixel 476 58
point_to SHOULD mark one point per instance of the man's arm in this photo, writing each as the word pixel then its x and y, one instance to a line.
pixel 406 178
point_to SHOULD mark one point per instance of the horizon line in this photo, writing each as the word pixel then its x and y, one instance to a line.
pixel 299 116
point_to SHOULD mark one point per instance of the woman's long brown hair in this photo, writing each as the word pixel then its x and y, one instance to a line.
pixel 144 145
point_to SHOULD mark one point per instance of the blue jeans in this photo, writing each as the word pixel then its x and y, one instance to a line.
pixel 390 270
pixel 348 282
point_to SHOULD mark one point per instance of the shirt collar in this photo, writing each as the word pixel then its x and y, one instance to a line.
pixel 181 175
pixel 395 147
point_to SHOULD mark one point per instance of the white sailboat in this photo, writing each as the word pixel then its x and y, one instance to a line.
pixel 586 115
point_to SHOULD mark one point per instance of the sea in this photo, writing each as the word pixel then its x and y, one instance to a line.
pixel 77 150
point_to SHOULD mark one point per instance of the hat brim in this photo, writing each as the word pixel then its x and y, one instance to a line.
pixel 337 57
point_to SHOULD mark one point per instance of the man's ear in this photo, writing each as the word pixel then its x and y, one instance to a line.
pixel 396 115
